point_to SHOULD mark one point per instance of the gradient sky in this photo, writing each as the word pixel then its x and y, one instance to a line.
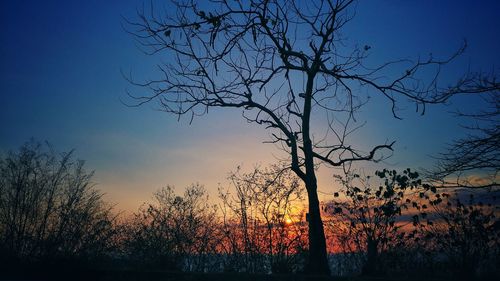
pixel 60 81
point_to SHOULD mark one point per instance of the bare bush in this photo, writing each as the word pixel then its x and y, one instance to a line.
pixel 174 232
pixel 49 208
pixel 265 217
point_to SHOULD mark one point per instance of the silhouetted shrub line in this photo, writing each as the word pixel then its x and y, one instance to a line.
pixel 54 225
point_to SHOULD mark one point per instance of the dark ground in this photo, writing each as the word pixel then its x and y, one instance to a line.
pixel 131 275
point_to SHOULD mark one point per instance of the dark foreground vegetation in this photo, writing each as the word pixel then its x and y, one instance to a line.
pixel 54 224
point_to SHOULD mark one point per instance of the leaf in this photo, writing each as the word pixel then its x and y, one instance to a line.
pixel 415 220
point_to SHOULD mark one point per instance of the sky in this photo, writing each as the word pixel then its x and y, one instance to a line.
pixel 61 82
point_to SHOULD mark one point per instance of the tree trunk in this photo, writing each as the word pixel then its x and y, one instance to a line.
pixel 371 265
pixel 317 262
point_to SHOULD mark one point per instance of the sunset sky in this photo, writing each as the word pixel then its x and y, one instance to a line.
pixel 61 82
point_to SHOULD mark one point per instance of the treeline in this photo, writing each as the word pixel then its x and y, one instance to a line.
pixel 388 224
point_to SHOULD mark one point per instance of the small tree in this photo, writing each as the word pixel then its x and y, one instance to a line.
pixel 373 212
pixel 465 230
pixel 282 63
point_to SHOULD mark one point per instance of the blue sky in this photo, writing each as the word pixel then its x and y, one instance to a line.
pixel 60 81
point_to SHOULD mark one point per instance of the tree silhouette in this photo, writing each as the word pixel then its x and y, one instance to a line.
pixel 474 160
pixel 466 230
pixel 49 208
pixel 282 63
pixel 373 208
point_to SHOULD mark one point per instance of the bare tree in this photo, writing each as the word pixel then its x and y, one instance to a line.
pixel 474 160
pixel 282 63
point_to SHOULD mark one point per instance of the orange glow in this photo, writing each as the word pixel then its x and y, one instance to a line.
pixel 288 221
